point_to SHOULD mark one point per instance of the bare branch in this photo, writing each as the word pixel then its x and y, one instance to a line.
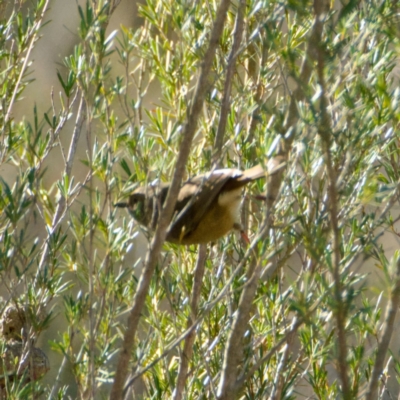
pixel 225 107
pixel 68 168
pixel 188 347
pixel 279 376
pixel 33 39
pixel 324 130
pixel 391 312
pixel 295 326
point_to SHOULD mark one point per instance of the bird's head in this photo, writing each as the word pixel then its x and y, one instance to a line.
pixel 139 207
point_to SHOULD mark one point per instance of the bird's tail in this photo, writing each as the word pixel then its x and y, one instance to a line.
pixel 253 173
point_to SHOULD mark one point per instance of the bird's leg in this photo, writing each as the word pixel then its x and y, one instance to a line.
pixel 243 234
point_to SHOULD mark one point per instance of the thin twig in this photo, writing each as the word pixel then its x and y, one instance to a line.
pixel 237 39
pixel 68 167
pixel 324 130
pixel 26 62
pixel 244 378
pixel 257 81
pixel 188 346
pixel 391 311
pixel 282 366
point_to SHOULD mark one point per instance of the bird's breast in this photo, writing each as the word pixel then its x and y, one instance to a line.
pixel 219 219
pixel 230 200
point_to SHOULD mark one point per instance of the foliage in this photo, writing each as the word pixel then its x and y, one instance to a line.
pixel 73 261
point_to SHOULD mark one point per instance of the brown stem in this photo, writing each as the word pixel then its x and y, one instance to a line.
pixel 188 346
pixel 219 138
pixel 25 64
pixel 287 338
pixel 282 366
pixel 256 80
pixel 324 130
pixel 391 311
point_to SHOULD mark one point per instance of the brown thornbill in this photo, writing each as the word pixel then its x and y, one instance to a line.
pixel 207 208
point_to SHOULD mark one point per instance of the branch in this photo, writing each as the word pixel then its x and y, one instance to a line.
pixel 391 312
pixel 324 130
pixel 36 28
pixel 286 339
pixel 279 374
pixel 61 205
pixel 237 38
pixel 255 79
pixel 188 346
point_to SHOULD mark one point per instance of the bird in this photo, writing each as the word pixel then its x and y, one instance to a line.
pixel 207 207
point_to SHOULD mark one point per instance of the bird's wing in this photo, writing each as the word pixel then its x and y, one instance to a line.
pixel 194 199
pixel 245 177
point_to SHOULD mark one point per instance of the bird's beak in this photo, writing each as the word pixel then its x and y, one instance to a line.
pixel 122 205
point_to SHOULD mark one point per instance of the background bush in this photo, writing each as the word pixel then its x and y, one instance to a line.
pixel 309 309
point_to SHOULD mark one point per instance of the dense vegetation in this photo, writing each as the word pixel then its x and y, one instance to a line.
pixel 308 308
